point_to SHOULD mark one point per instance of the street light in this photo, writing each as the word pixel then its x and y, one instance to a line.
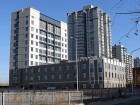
pixel 75 38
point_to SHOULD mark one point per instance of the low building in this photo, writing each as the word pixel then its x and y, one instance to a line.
pixel 136 77
pixel 93 72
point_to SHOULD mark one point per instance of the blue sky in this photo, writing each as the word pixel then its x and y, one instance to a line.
pixel 58 9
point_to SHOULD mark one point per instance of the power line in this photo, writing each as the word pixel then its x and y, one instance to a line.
pixel 134 12
pixel 120 3
pixel 127 34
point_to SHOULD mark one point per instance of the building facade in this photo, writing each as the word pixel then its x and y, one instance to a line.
pixel 36 39
pixel 120 52
pixel 89 29
pixel 136 62
pixel 136 77
pixel 93 72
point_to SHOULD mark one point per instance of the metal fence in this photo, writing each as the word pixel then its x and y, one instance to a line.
pixel 41 98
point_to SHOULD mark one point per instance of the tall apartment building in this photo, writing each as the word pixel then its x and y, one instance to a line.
pixel 90 30
pixel 137 62
pixel 36 39
pixel 129 68
pixel 120 52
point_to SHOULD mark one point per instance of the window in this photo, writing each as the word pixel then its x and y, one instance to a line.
pixel 59 68
pixel 36 43
pixel 32 42
pixel 31 70
pixel 52 68
pixel 50 27
pixel 52 77
pixel 43 25
pixel 40 51
pixel 32 28
pixel 75 75
pixel 115 67
pixel 45 69
pixel 100 69
pixel 59 76
pixel 32 22
pixel 26 78
pixel 92 85
pixel 91 65
pixel 36 30
pixel 14 57
pixel 84 86
pixel 38 70
pixel 32 35
pixel 31 55
pixel 15 37
pixel 67 76
pixel 99 64
pixel 31 78
pixel 26 36
pixel 38 77
pixel 33 17
pixel 45 77
pixel 57 31
pixel 101 85
pixel 105 74
pixel 25 48
pixel 67 67
pixel 26 29
pixel 31 62
pixel 36 57
pixel 36 49
pixel 65 56
pixel 100 78
pixel 40 38
pixel 36 36
pixel 25 62
pixel 84 75
pixel 26 22
pixel 92 74
pixel 26 70
pixel 83 66
pixel 31 48
pixel 13 64
pixel 112 75
pixel 75 67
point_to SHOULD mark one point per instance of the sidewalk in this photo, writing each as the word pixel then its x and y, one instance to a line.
pixel 116 101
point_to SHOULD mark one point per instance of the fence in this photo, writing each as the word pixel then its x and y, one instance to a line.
pixel 41 98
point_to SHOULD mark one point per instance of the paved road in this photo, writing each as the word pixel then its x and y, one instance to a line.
pixel 134 102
